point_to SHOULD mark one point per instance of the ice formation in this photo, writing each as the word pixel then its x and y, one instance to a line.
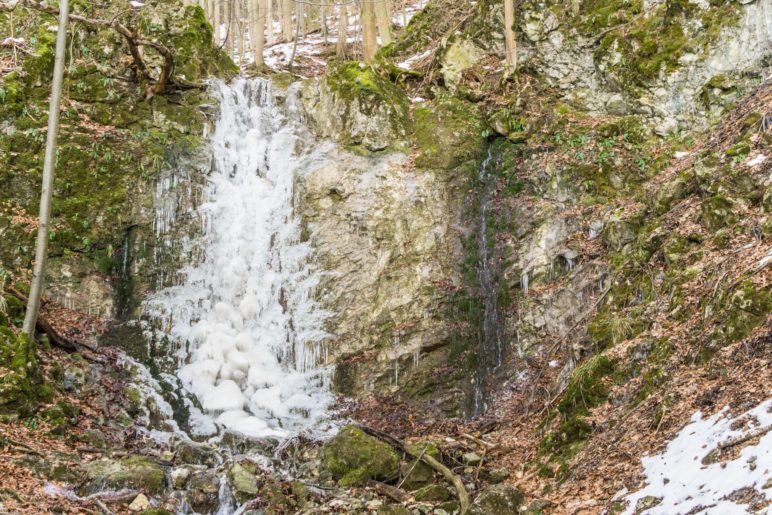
pixel 244 319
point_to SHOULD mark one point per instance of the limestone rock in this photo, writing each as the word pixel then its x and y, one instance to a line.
pixel 192 453
pixel 460 56
pixel 352 457
pixel 140 503
pixel 432 493
pixel 203 491
pixel 496 500
pixel 243 480
pixel 138 472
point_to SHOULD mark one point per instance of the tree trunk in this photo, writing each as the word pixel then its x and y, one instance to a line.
pixel 269 20
pixel 216 22
pixel 286 20
pixel 340 48
pixel 369 38
pixel 257 32
pixel 509 35
pixel 383 19
pixel 46 191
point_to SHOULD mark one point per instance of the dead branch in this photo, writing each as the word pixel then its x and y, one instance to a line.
pixel 455 480
pixel 133 40
pixel 737 440
pixel 389 491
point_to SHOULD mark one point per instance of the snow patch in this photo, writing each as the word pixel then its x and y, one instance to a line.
pixel 682 482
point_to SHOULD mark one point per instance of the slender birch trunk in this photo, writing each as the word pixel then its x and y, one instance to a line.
pixel 49 164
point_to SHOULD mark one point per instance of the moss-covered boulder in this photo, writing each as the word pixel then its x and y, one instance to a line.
pixel 242 478
pixel 432 493
pixel 496 500
pixel 353 457
pixel 137 472
pixel 22 388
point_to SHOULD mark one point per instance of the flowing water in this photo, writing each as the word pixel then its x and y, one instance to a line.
pixel 244 321
pixel 491 350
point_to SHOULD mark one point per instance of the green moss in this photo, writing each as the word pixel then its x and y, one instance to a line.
pixel 354 457
pixel 448 133
pixel 717 212
pixel 22 387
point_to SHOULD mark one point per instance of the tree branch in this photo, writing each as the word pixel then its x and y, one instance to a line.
pixel 133 40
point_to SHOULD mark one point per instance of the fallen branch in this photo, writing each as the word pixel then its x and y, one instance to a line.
pixel 455 480
pixel 389 491
pixel 737 440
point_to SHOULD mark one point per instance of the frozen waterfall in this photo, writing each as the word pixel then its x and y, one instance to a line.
pixel 244 320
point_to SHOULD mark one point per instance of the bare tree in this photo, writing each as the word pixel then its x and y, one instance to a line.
pixel 509 35
pixel 286 20
pixel 49 164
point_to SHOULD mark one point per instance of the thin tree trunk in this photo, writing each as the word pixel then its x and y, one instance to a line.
pixel 509 35
pixel 228 20
pixel 323 22
pixel 383 19
pixel 269 21
pixel 369 38
pixel 340 49
pixel 286 20
pixel 216 22
pixel 257 33
pixel 46 191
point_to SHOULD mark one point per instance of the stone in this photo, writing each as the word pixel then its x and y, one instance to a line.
pixel 432 493
pixel 646 503
pixel 137 472
pixel 496 500
pixel 460 56
pixel 498 475
pixel 242 478
pixel 203 491
pixel 179 476
pixel 140 503
pixel 471 459
pixel 192 453
pixel 240 443
pixel 353 457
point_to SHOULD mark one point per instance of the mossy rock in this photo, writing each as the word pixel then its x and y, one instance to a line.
pixel 717 212
pixel 449 132
pixel 496 500
pixel 432 493
pixel 243 480
pixel 22 388
pixel 353 457
pixel 137 472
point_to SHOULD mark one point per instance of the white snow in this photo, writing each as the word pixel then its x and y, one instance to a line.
pixel 245 320
pixel 684 483
pixel 756 161
pixel 681 155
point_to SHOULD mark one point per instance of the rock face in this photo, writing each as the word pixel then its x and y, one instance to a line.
pixel 354 457
pixel 385 234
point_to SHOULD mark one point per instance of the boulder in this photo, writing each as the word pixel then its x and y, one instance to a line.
pixel 432 493
pixel 496 500
pixel 354 457
pixel 136 472
pixel 203 491
pixel 242 478
pixel 192 453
